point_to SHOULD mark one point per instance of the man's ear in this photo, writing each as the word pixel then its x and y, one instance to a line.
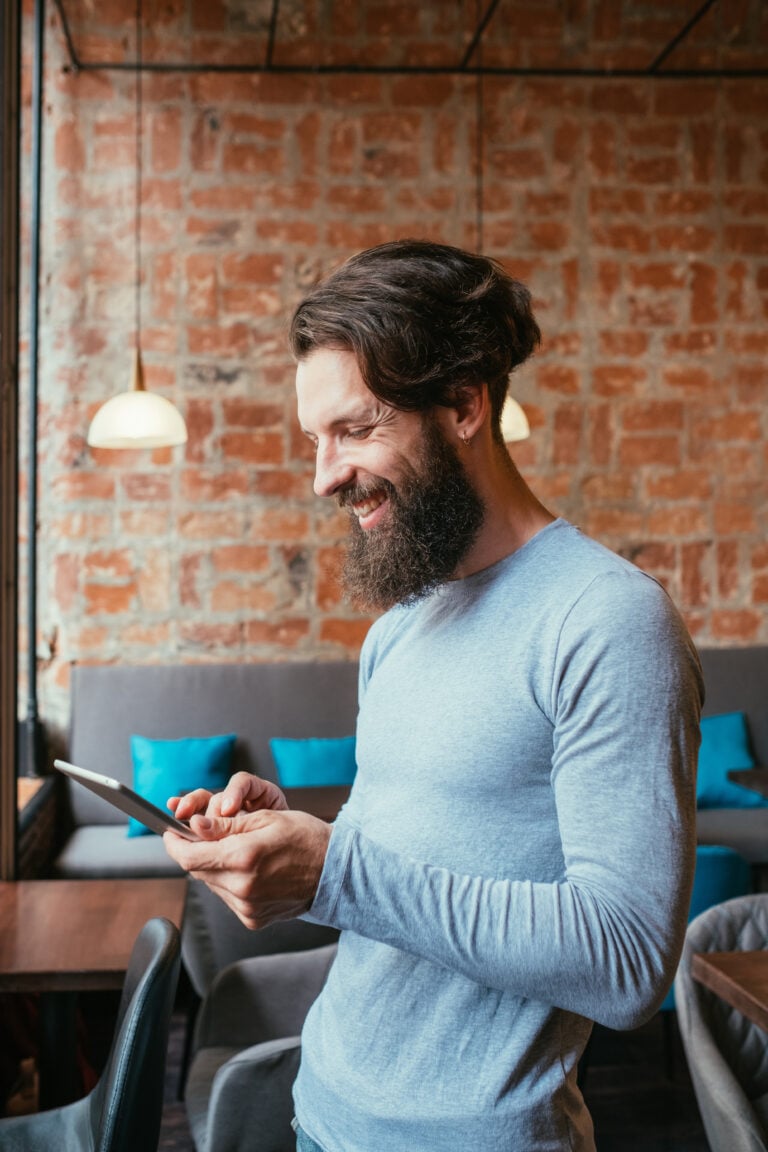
pixel 470 411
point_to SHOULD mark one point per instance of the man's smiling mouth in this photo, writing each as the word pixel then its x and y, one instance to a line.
pixel 365 507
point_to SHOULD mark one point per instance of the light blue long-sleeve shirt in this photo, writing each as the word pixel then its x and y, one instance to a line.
pixel 515 858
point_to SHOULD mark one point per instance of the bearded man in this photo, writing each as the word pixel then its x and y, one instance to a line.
pixel 516 855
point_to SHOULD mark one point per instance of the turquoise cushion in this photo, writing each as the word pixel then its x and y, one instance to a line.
pixel 163 768
pixel 724 745
pixel 318 760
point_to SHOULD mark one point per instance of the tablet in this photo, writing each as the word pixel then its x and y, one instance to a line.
pixel 126 800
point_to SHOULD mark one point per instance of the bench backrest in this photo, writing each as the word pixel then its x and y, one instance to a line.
pixel 110 703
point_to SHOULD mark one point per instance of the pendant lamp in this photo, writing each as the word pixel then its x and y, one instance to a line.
pixel 137 418
pixel 514 422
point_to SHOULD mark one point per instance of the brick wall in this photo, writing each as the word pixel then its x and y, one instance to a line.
pixel 636 209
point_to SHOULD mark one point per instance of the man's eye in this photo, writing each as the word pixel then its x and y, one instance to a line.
pixel 358 433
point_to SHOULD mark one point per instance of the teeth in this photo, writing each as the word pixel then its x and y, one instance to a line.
pixel 367 507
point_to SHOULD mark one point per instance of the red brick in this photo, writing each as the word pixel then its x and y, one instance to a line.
pixel 630 343
pixel 694 381
pixel 229 596
pixel 653 170
pixel 69 148
pixel 204 486
pixel 66 580
pixel 84 486
pixel 751 239
pixel 198 634
pixel 221 340
pixel 517 163
pixel 621 98
pixel 609 487
pixel 109 599
pixel 684 484
pixel 685 100
pixel 147 486
pixel 166 140
pixel 254 447
pixel 737 624
pixel 685 238
pixel 731 518
pixel 278 524
pixel 733 425
pixel 694 342
pixel 728 569
pixel 623 237
pixel 689 202
pixel 241 558
pixel 617 379
pixel 328 589
pixel 558 378
pixel 607 523
pixel 348 634
pixel 653 416
pixel 694 577
pixel 199 525
pixel 116 564
pixel 617 201
pixel 682 520
pixel 567 435
pixel 146 522
pixel 636 451
pixel 252 160
pixel 281 633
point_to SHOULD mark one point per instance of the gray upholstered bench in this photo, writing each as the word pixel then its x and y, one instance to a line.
pixel 113 702
pixel 736 680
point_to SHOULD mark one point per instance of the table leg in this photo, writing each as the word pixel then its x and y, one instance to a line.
pixel 59 1076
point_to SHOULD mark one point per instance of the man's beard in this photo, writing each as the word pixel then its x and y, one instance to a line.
pixel 433 518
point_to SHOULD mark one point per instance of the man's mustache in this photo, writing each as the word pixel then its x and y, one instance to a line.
pixel 356 493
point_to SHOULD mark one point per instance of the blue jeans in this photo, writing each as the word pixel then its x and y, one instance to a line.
pixel 304 1143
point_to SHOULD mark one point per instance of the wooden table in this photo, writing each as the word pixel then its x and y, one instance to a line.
pixel 61 937
pixel 739 978
pixel 756 779
pixel 322 801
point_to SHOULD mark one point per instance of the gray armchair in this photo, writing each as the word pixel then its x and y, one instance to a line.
pixel 246 1051
pixel 727 1054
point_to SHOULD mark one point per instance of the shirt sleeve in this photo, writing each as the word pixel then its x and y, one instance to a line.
pixel 605 939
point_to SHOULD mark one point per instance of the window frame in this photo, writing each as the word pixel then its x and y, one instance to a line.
pixel 10 109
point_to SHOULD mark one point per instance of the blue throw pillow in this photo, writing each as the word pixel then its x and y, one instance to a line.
pixel 724 745
pixel 316 761
pixel 163 768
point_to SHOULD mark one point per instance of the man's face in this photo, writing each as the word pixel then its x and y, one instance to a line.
pixel 414 513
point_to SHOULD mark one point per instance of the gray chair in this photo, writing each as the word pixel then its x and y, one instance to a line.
pixel 246 1051
pixel 124 1111
pixel 727 1054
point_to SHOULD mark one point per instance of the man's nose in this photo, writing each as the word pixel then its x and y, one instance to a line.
pixel 332 471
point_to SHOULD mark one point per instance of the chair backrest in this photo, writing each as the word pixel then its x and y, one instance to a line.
pixel 727 1054
pixel 213 937
pixel 126 1105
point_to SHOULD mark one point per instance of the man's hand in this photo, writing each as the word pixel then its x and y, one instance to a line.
pixel 243 793
pixel 265 865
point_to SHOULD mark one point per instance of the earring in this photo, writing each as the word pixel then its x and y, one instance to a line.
pixel 466 440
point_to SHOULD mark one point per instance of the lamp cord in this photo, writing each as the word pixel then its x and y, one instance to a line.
pixel 479 157
pixel 137 221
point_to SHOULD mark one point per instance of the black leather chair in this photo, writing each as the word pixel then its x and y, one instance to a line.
pixel 123 1112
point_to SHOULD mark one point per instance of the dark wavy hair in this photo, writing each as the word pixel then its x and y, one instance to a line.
pixel 424 320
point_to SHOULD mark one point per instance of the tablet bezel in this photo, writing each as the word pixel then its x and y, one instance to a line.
pixel 128 801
